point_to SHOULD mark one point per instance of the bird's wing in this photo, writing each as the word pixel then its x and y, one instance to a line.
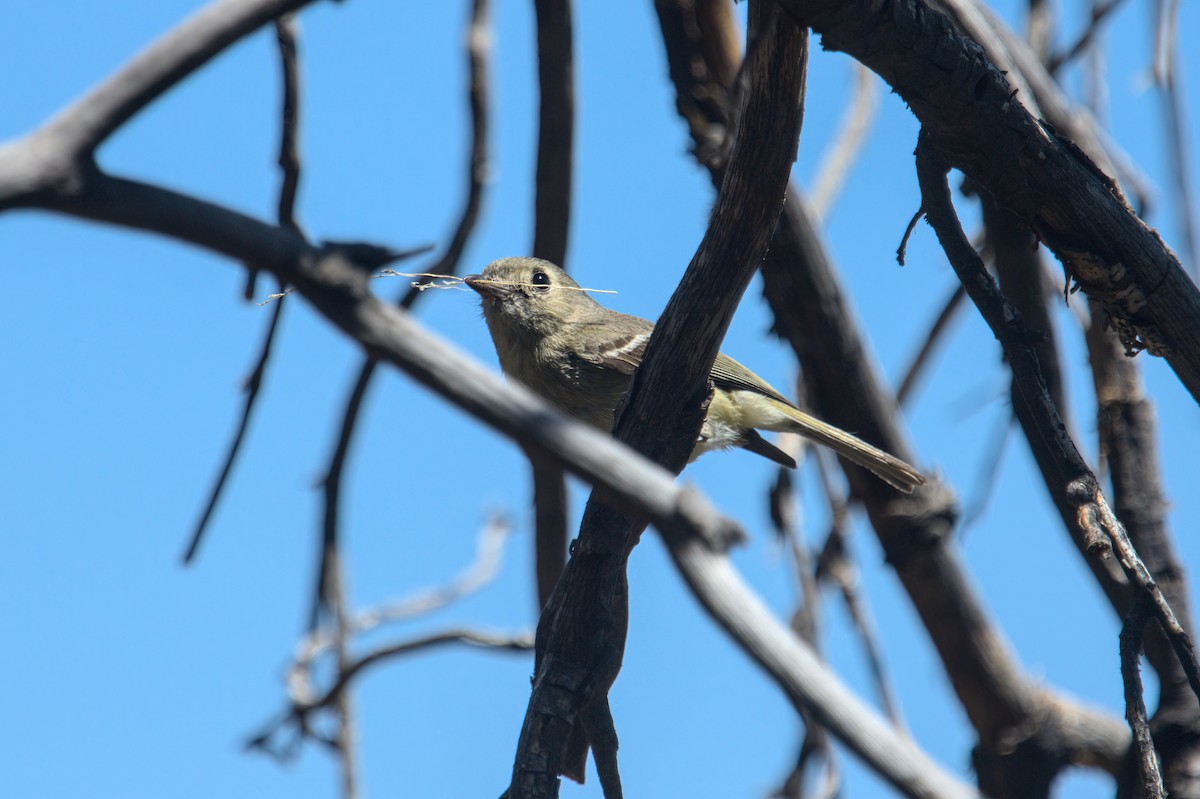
pixel 622 353
pixel 625 353
pixel 731 375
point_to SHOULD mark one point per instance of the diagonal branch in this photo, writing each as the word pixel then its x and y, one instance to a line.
pixel 804 678
pixel 81 127
pixel 289 163
pixel 251 388
pixel 582 631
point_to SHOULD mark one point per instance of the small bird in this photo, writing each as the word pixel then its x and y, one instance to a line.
pixel 553 337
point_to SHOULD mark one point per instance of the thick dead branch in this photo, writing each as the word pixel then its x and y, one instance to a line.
pixel 1177 718
pixel 1074 481
pixel 1019 272
pixel 1041 95
pixel 812 313
pixel 550 526
pixel 966 108
pixel 581 635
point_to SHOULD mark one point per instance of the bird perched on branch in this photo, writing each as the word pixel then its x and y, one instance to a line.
pixel 553 337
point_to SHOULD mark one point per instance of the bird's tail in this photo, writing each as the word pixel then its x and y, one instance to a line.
pixel 891 469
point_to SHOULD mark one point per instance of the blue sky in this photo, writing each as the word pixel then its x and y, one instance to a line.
pixel 124 353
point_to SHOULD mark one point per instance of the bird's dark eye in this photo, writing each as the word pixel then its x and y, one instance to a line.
pixel 540 280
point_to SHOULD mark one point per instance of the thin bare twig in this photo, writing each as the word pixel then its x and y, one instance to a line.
pixel 289 163
pixel 1100 11
pixel 478 48
pixel 1175 124
pixel 1181 641
pixel 250 388
pixel 1039 32
pixel 940 325
pixel 297 716
pixel 302 675
pixel 835 565
pixel 804 623
pixel 286 34
pixel 988 473
pixel 345 736
pixel 862 109
pixel 1135 706
pixel 85 124
pixel 489 548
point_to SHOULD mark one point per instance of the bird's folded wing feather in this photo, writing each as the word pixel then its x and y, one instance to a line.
pixel 732 376
pixel 625 354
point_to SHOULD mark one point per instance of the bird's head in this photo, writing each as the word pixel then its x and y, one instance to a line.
pixel 530 297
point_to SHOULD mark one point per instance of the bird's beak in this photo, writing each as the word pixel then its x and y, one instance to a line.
pixel 487 288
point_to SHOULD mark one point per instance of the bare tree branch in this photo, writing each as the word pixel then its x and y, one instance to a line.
pixel 1135 707
pixel 835 565
pixel 556 126
pixel 1038 92
pixel 478 47
pixel 1074 481
pixel 1175 126
pixel 582 632
pixel 805 623
pixel 966 109
pixel 489 547
pixel 80 128
pixel 289 163
pixel 857 120
pixel 1100 12
pixel 297 715
pixel 1127 435
pixel 250 388
pixel 812 314
pixel 803 677
pixel 941 324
